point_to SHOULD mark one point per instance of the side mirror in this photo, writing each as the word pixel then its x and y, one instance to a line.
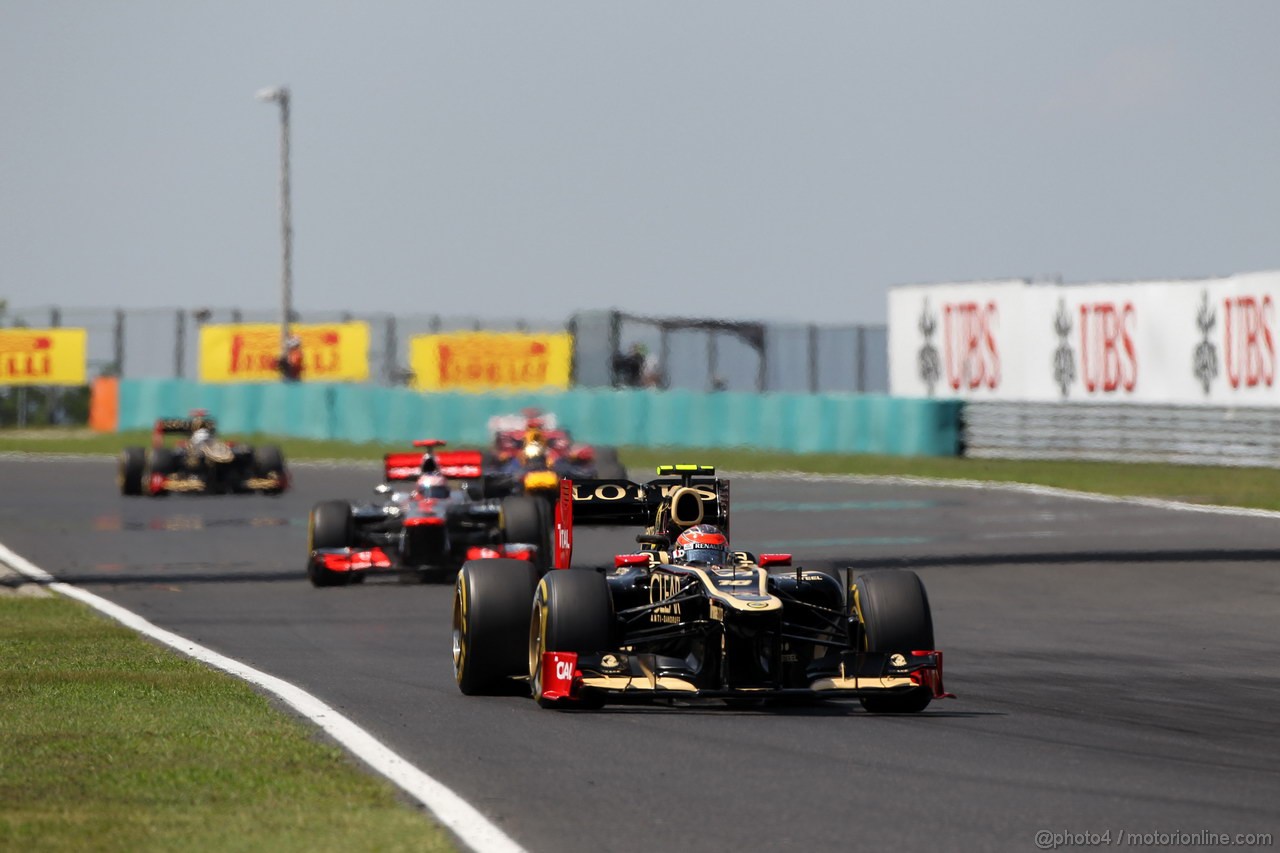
pixel 767 560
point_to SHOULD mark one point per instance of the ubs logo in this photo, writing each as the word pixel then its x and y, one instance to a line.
pixel 970 347
pixel 1248 341
pixel 1108 354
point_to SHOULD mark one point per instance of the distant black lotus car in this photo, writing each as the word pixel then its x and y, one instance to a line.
pixel 200 462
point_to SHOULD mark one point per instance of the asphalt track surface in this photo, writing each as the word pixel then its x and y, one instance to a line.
pixel 1116 667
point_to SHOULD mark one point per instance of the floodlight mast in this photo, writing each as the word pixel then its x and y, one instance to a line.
pixel 280 94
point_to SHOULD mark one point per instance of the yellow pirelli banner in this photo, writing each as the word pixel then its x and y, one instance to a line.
pixel 43 357
pixel 483 361
pixel 250 352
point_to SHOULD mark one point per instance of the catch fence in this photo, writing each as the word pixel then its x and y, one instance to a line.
pixel 684 353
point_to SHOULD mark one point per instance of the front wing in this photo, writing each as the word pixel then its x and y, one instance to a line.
pixel 195 484
pixel 366 560
pixel 622 676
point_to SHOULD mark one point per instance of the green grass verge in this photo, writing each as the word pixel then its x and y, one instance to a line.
pixel 1247 487
pixel 110 742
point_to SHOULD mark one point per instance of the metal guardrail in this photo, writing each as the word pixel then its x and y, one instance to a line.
pixel 1194 435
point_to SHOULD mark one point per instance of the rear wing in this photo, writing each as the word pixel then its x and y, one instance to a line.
pixel 166 426
pixel 454 464
pixel 518 423
pixel 177 426
pixel 662 507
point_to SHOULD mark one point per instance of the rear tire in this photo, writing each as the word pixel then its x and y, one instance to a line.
pixel 330 526
pixel 490 624
pixel 894 616
pixel 528 519
pixel 572 612
pixel 608 465
pixel 133 461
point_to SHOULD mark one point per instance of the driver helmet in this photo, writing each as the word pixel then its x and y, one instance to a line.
pixel 432 486
pixel 201 435
pixel 534 450
pixel 703 545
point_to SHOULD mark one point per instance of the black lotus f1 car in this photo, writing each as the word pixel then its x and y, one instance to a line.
pixel 429 532
pixel 199 462
pixel 652 627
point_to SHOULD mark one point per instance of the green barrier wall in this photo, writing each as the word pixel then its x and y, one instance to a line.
pixel 797 423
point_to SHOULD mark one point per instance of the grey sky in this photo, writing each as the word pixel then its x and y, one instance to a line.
pixel 740 159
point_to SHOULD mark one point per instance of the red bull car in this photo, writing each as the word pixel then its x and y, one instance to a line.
pixel 200 462
pixel 668 621
pixel 424 521
pixel 533 441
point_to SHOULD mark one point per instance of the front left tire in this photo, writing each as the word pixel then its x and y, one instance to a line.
pixel 490 624
pixel 268 460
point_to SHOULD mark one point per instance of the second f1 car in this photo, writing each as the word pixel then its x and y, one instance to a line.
pixel 423 521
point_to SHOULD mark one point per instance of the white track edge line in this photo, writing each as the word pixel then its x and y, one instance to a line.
pixel 454 813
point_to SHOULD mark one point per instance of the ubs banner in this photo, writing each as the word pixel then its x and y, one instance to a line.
pixel 482 361
pixel 1210 341
pixel 249 352
pixel 42 357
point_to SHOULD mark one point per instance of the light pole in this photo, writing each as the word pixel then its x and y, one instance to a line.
pixel 280 94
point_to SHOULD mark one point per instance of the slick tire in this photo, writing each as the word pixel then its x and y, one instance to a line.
pixel 490 625
pixel 329 526
pixel 893 613
pixel 572 612
pixel 133 462
pixel 163 461
pixel 608 465
pixel 529 519
pixel 268 460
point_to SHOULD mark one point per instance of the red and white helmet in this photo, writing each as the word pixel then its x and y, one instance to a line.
pixel 702 545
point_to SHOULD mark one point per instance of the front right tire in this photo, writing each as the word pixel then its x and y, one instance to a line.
pixel 329 526
pixel 572 612
pixel 133 462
